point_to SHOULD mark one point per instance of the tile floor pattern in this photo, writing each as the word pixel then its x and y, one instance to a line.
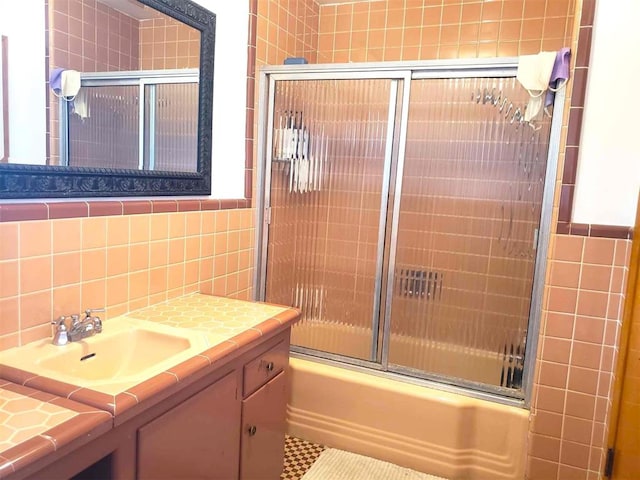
pixel 299 455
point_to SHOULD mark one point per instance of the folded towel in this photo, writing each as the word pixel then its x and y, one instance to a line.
pixel 559 74
pixel 70 83
pixel 534 72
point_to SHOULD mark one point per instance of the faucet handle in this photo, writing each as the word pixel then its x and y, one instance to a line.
pixel 75 320
pixel 97 323
pixel 60 336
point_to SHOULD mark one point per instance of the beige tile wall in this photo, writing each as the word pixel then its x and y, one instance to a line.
pixel 58 267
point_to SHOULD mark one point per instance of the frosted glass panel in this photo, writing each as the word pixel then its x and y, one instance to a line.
pixel 171 140
pixel 328 150
pixel 106 134
pixel 469 215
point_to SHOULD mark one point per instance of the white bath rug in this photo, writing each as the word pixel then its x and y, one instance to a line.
pixel 340 465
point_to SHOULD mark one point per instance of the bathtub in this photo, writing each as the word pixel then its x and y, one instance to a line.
pixel 432 431
pixel 430 356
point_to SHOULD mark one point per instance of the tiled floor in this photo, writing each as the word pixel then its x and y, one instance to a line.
pixel 299 455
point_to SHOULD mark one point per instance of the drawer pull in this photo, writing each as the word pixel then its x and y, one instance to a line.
pixel 252 430
pixel 269 366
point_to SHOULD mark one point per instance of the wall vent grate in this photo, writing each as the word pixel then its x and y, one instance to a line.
pixel 420 284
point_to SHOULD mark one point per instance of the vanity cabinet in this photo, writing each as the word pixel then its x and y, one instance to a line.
pixel 263 414
pixel 224 422
pixel 217 412
pixel 197 439
pixel 263 430
pixel 233 428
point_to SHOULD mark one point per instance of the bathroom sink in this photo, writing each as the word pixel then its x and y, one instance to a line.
pixel 127 352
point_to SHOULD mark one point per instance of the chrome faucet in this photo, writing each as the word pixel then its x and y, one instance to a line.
pixel 78 328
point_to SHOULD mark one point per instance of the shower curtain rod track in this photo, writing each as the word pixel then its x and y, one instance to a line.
pixel 465 67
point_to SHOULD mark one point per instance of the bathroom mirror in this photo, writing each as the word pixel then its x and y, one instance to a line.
pixel 162 65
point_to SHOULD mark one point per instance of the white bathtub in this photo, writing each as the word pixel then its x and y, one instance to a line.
pixel 432 431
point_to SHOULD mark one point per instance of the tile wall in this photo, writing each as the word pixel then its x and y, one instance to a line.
pixel 56 267
pixel 286 28
pixel 587 264
pixel 576 354
pixel 89 36
pixel 166 43
pixel 418 30
pixel 627 382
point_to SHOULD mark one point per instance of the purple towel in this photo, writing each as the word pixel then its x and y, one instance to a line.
pixel 559 73
pixel 55 80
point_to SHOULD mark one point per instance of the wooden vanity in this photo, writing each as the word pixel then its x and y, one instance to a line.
pixel 218 415
pixel 237 418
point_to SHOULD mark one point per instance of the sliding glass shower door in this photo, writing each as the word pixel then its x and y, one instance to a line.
pixel 467 232
pixel 406 214
pixel 330 156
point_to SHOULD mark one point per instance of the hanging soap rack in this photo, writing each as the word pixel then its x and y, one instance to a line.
pixel 502 102
pixel 303 153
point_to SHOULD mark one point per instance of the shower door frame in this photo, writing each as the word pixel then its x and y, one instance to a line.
pixel 133 78
pixel 406 72
pixel 394 77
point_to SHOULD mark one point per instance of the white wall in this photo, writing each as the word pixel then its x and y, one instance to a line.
pixel 229 96
pixel 27 120
pixel 609 164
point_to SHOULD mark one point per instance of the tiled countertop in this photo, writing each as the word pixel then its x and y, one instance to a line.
pixel 214 316
pixel 228 324
pixel 34 424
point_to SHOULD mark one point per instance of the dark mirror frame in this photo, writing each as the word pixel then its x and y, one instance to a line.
pixel 44 181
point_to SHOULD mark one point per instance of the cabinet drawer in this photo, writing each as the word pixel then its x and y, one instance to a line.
pixel 262 369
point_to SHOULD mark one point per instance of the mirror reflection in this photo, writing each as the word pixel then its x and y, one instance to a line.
pixel 137 103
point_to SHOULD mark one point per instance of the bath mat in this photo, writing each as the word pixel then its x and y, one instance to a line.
pixel 340 465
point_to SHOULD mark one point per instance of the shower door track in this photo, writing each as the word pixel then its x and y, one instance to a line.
pixel 407 71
